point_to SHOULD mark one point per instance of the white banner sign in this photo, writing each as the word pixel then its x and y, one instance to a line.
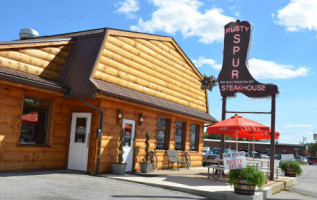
pixel 315 136
pixel 285 157
pixel 234 160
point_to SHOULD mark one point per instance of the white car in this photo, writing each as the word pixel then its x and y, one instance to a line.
pixel 303 160
pixel 264 156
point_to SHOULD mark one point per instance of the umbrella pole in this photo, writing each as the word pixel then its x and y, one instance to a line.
pixel 236 141
pixel 253 146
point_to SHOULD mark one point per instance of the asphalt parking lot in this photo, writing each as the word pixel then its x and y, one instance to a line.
pixel 68 185
pixel 306 188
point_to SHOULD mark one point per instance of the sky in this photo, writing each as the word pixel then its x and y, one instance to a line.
pixel 282 50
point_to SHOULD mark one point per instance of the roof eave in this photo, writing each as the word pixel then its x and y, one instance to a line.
pixel 210 119
pixel 33 83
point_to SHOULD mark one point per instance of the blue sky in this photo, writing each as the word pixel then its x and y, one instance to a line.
pixel 283 49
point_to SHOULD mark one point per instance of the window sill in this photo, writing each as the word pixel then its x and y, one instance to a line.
pixel 33 145
pixel 160 150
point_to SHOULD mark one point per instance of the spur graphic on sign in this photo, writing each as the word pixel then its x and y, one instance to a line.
pixel 234 76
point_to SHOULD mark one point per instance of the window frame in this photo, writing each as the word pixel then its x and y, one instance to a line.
pixel 196 137
pixel 48 122
pixel 183 142
pixel 167 133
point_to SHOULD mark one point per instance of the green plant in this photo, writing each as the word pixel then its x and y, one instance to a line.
pixel 249 174
pixel 293 165
pixel 92 172
pixel 147 138
pixel 313 149
pixel 120 154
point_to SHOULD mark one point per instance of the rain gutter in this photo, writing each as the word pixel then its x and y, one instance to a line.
pixel 99 132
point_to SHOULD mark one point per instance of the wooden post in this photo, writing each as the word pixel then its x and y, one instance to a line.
pixel 222 143
pixel 272 138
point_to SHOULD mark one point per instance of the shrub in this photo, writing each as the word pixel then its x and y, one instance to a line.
pixel 120 154
pixel 294 165
pixel 146 158
pixel 250 174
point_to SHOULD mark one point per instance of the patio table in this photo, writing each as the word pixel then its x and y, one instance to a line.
pixel 220 170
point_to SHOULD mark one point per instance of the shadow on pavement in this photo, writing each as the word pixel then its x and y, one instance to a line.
pixel 38 172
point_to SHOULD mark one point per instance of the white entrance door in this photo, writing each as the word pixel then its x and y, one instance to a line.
pixel 79 141
pixel 128 145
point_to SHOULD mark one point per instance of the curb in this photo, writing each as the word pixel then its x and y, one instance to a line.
pixel 276 187
pixel 258 195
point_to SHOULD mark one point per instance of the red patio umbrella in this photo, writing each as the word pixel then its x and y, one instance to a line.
pixel 263 136
pixel 240 127
pixel 30 118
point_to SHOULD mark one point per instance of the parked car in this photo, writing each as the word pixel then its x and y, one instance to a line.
pixel 303 160
pixel 255 153
pixel 264 156
pixel 206 150
pixel 213 154
pixel 312 160
pixel 297 158
pixel 277 156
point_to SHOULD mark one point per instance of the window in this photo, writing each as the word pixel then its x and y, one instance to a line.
pixel 179 144
pixel 193 137
pixel 34 121
pixel 162 133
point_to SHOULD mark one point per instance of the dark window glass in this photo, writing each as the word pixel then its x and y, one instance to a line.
pixel 34 121
pixel 193 137
pixel 81 126
pixel 179 136
pixel 162 131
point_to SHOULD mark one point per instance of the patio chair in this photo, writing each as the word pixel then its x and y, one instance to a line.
pixel 174 158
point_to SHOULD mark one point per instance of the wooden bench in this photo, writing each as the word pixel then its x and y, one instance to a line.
pixel 173 157
pixel 219 171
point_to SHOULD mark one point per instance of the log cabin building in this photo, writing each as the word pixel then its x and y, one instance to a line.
pixel 65 98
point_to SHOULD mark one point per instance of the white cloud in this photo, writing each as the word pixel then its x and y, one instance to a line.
pixel 128 7
pixel 261 69
pixel 296 137
pixel 298 14
pixel 172 16
pixel 298 125
pixel 206 61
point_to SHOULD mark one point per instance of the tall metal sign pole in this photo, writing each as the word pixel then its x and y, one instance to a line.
pixel 235 77
pixel 272 151
pixel 222 141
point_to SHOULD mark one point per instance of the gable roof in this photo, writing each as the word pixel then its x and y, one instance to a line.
pixel 76 78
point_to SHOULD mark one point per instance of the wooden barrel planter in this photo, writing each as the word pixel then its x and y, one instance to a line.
pixel 290 172
pixel 243 187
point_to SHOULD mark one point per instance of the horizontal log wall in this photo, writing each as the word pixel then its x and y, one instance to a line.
pixel 45 61
pixel 153 67
pixel 14 156
pixel 112 128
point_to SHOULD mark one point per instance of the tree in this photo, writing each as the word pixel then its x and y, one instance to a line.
pixel 313 149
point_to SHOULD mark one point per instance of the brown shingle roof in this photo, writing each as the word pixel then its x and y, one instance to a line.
pixel 30 79
pixel 138 97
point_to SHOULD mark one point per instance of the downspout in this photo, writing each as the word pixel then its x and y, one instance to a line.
pixel 99 132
